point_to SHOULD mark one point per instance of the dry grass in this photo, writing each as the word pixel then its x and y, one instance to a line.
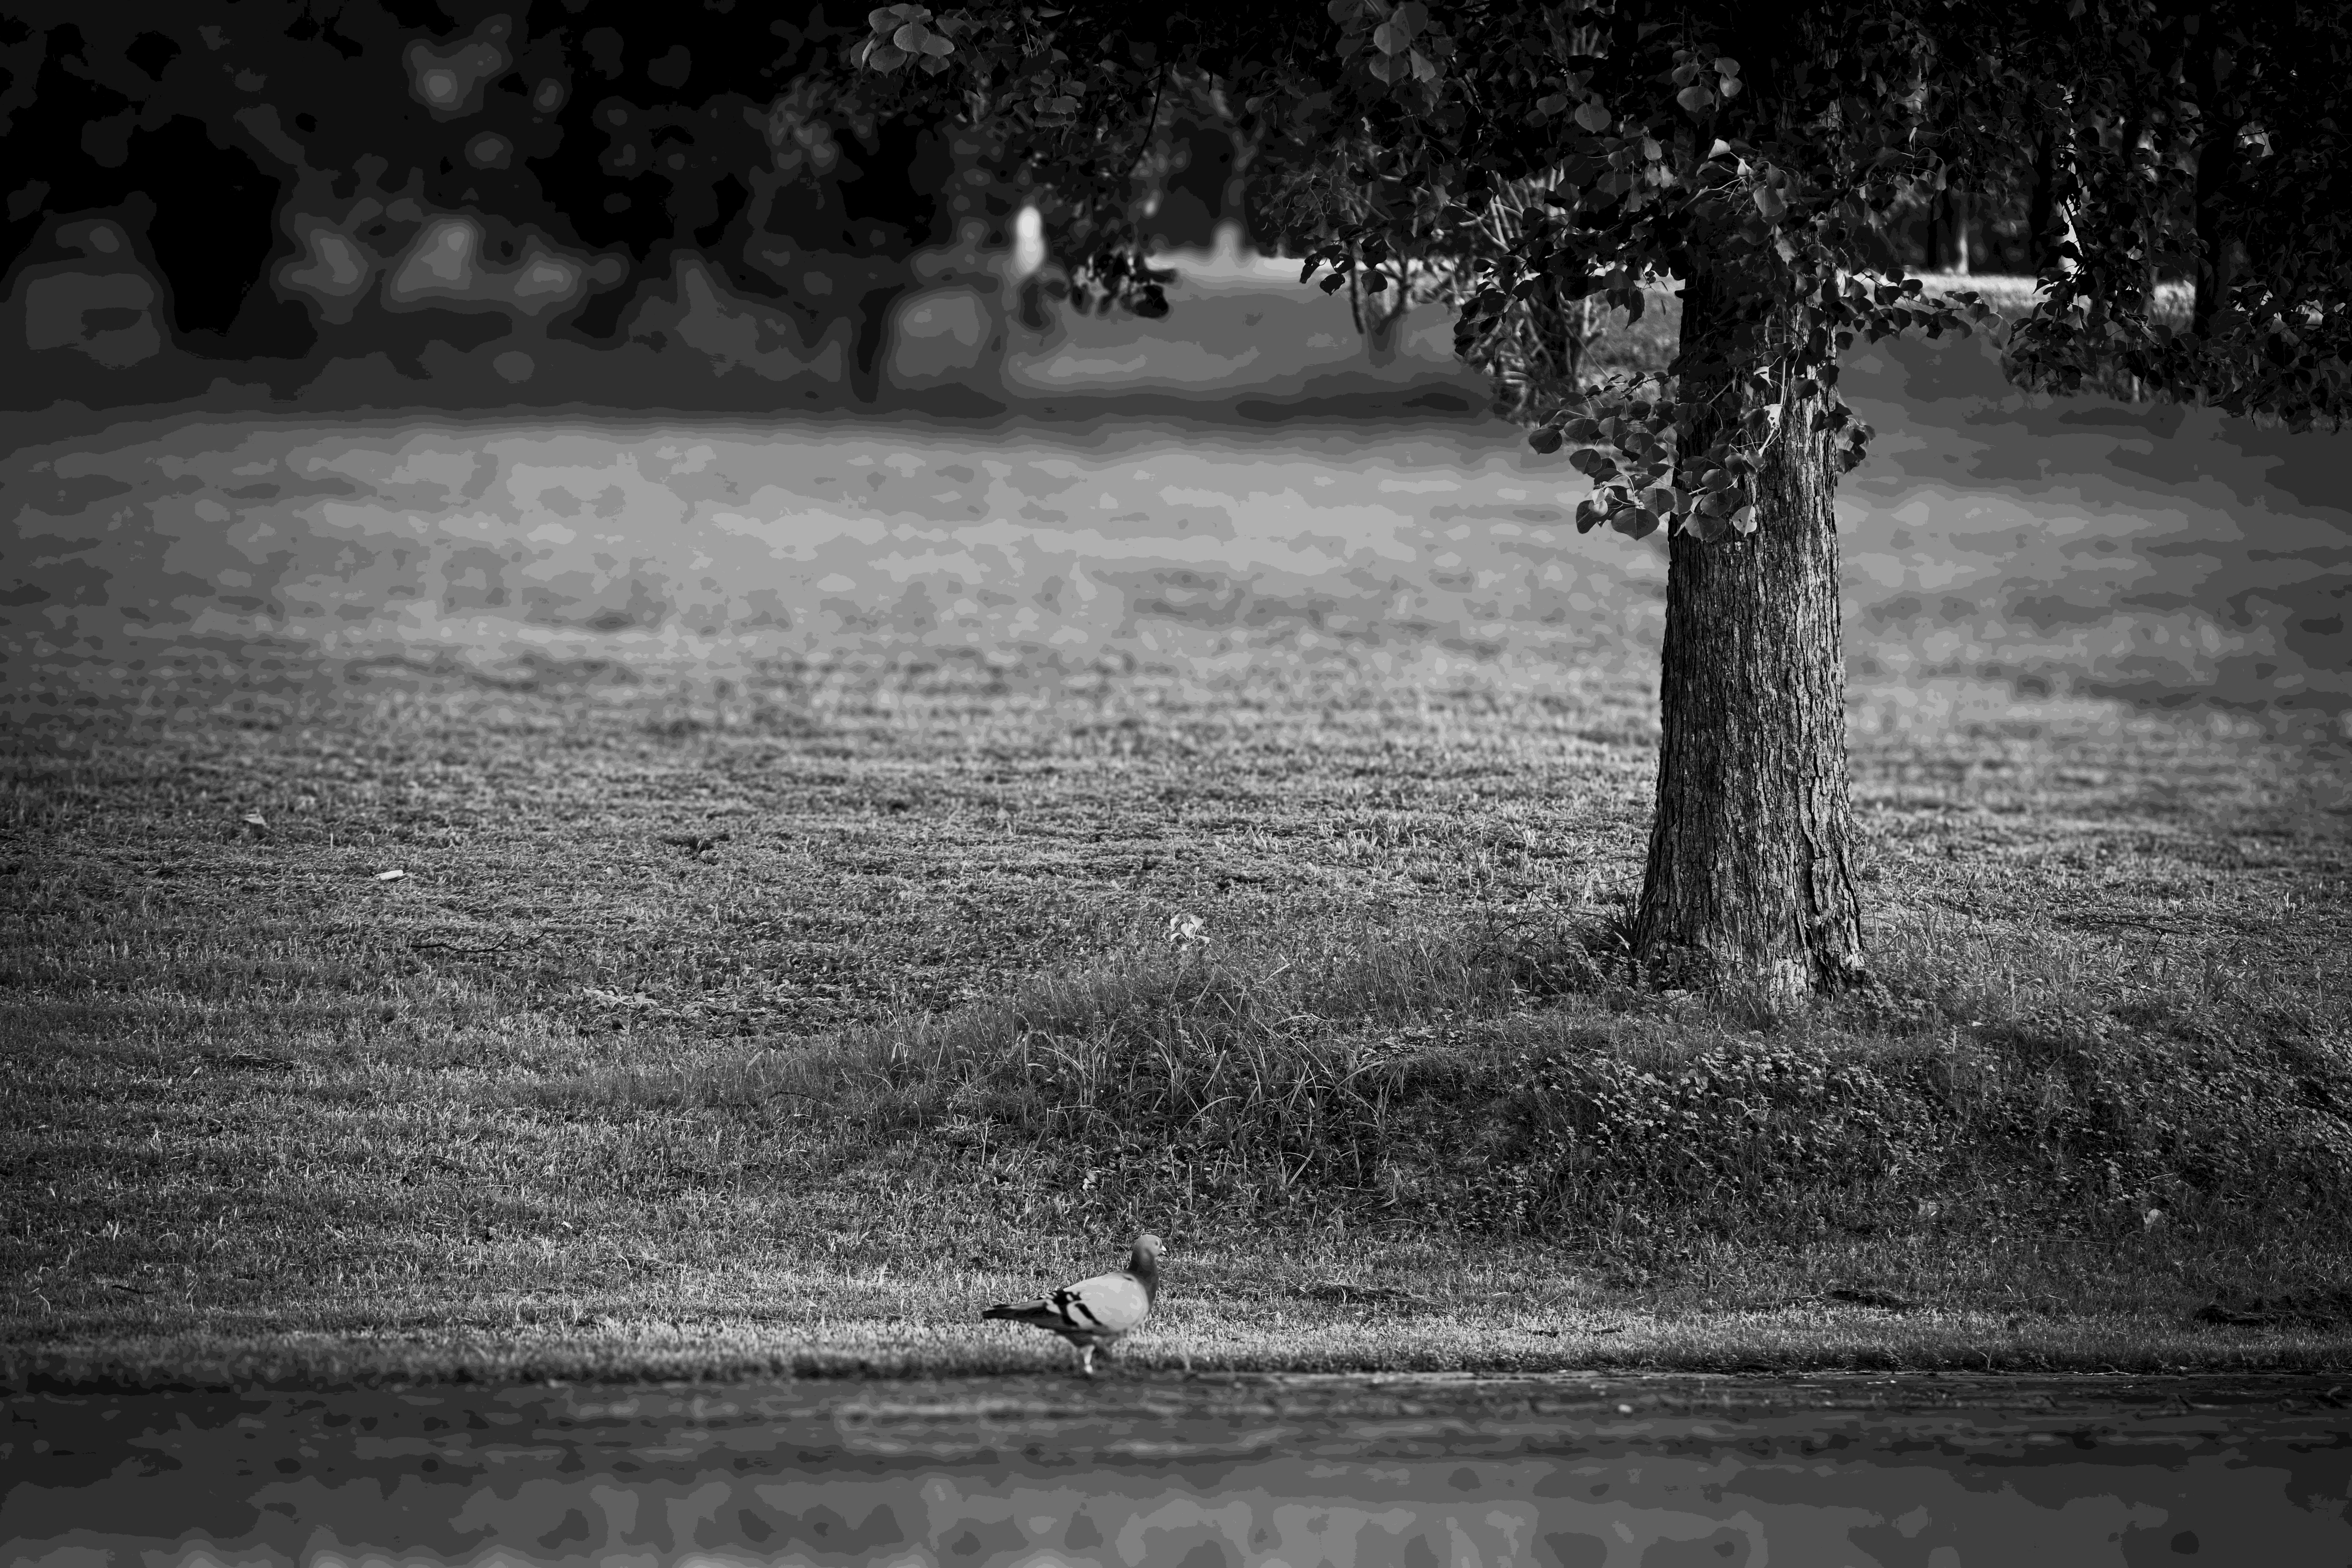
pixel 782 1027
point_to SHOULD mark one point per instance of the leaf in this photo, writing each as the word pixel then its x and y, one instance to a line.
pixel 256 819
pixel 391 876
pixel 1744 520
pixel 1592 116
pixel 1695 98
pixel 1768 202
pixel 1546 439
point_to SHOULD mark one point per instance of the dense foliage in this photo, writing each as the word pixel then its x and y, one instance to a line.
pixel 273 166
pixel 1557 152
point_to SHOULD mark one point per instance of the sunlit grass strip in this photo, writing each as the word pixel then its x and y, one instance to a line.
pixel 652 1350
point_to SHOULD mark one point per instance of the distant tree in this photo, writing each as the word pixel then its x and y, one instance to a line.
pixel 1747 152
pixel 621 130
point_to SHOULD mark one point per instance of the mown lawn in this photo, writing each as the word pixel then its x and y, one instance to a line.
pixel 782 1026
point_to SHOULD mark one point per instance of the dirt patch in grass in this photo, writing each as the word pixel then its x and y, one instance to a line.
pixel 781 1026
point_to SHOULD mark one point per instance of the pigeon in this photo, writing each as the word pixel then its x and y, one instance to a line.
pixel 1096 1311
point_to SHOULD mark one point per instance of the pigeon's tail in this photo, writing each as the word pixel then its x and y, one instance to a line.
pixel 1024 1312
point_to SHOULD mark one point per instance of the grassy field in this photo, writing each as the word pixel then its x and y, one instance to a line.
pixel 779 1026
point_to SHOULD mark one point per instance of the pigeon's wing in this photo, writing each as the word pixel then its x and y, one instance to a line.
pixel 1108 1303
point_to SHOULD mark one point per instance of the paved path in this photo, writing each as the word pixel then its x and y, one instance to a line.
pixel 1940 1472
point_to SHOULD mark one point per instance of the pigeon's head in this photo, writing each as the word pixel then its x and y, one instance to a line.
pixel 1145 1262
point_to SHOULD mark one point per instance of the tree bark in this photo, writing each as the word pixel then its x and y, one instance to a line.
pixel 1749 876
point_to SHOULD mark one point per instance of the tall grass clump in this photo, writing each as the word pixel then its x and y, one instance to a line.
pixel 1516 1089
pixel 1254 1082
pixel 2063 1121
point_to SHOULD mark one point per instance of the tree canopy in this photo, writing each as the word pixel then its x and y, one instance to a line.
pixel 1620 141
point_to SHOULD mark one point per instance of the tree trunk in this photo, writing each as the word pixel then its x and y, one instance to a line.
pixel 2217 170
pixel 2046 220
pixel 1378 309
pixel 870 348
pixel 1386 315
pixel 1749 875
pixel 1960 258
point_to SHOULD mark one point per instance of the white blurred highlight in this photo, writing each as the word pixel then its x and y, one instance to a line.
pixel 1028 243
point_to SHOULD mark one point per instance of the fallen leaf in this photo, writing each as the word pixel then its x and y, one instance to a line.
pixel 391 876
pixel 256 819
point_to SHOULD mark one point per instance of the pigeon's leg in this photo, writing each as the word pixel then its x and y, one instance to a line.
pixel 1087 1360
